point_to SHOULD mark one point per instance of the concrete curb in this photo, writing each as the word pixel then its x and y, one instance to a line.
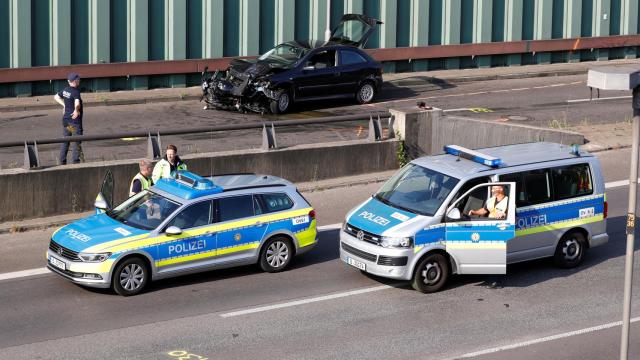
pixel 46 223
pixel 386 84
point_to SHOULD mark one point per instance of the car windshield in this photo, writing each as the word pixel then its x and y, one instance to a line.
pixel 285 54
pixel 417 189
pixel 146 210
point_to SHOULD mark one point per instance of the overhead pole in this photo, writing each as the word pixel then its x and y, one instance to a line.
pixel 327 32
pixel 631 222
pixel 624 78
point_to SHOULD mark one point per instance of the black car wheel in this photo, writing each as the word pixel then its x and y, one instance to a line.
pixel 282 104
pixel 366 93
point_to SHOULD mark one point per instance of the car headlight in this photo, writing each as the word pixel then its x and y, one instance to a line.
pixel 97 257
pixel 396 242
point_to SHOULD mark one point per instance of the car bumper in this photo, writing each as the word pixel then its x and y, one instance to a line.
pixel 375 258
pixel 599 239
pixel 306 248
pixel 97 275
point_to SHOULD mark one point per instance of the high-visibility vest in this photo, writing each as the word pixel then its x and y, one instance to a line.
pixel 143 181
pixel 162 170
pixel 494 207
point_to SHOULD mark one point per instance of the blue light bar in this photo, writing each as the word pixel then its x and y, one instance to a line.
pixel 472 155
pixel 188 186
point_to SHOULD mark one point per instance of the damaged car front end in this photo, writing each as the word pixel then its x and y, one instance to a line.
pixel 251 85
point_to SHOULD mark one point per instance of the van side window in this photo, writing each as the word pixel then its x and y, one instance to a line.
pixel 532 187
pixel 571 181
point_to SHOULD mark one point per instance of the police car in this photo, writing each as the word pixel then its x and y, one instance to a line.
pixel 438 215
pixel 186 225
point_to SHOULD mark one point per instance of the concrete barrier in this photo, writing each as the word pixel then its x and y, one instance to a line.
pixel 72 188
pixel 426 132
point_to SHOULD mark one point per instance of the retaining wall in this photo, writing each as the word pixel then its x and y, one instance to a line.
pixel 73 188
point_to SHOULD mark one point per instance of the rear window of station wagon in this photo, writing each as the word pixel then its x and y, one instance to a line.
pixel 551 184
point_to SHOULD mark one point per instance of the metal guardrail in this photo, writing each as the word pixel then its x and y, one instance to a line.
pixel 48 73
pixel 154 147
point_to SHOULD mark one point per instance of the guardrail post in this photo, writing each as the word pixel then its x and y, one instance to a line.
pixel 269 138
pixel 391 134
pixel 31 158
pixel 154 146
pixel 375 130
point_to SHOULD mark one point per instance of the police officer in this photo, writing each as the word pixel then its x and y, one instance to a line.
pixel 169 165
pixel 496 205
pixel 142 180
pixel 71 101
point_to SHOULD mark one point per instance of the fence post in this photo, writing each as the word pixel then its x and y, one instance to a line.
pixel 154 146
pixel 31 157
pixel 269 138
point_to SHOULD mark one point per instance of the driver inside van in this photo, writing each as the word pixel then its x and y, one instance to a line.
pixel 496 206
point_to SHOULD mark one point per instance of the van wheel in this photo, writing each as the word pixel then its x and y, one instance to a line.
pixel 276 254
pixel 431 274
pixel 130 277
pixel 570 250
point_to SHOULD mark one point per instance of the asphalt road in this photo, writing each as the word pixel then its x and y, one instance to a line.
pixel 534 101
pixel 322 308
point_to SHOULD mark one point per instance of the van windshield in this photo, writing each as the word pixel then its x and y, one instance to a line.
pixel 417 189
pixel 145 210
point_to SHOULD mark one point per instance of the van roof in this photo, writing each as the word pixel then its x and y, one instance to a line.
pixel 511 155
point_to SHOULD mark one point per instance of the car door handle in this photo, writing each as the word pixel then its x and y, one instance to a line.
pixel 258 223
pixel 336 74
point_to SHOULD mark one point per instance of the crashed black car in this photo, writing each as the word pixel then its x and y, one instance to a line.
pixel 299 71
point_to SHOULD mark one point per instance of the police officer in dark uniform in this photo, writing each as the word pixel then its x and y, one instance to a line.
pixel 70 99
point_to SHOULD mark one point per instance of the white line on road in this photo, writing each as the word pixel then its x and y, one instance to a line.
pixel 544 339
pixel 599 99
pixel 40 271
pixel 23 273
pixel 305 301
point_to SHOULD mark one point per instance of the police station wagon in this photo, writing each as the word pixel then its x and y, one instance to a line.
pixel 186 225
pixel 474 212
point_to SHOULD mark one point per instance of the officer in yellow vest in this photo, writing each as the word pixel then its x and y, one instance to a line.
pixel 169 165
pixel 142 180
pixel 496 205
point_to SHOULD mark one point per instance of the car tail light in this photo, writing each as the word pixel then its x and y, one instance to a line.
pixel 312 214
pixel 606 210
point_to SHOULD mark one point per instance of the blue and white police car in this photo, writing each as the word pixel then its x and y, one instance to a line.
pixel 184 225
pixel 475 211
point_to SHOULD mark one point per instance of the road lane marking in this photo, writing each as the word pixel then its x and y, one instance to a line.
pixel 23 273
pixel 616 184
pixel 599 99
pixel 544 339
pixel 40 271
pixel 305 301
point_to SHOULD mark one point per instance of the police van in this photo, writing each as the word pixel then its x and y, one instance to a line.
pixel 475 211
pixel 185 225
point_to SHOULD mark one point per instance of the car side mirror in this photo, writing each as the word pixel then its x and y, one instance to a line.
pixel 308 68
pixel 454 214
pixel 100 204
pixel 173 230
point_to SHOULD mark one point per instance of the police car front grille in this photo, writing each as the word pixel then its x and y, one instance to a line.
pixel 357 252
pixel 63 251
pixel 367 236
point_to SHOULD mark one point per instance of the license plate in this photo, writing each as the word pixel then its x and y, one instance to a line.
pixel 57 263
pixel 360 265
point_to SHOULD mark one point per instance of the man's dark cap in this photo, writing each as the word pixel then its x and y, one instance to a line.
pixel 73 76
